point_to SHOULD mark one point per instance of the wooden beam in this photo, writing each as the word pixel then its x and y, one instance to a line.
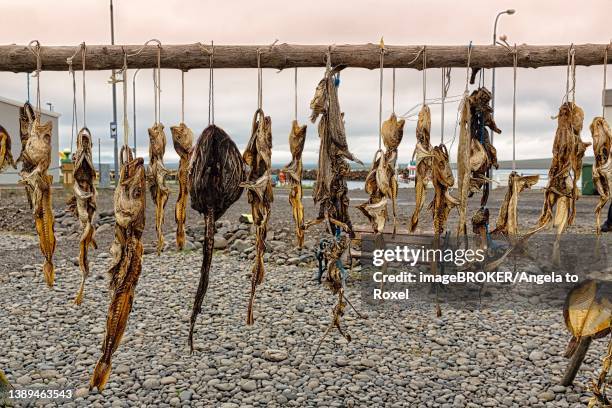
pixel 18 58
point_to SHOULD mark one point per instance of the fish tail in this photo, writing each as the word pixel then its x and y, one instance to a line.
pixel 49 272
pixel 100 375
pixel 207 251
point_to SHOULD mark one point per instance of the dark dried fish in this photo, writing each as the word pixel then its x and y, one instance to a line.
pixel 83 202
pixel 507 221
pixel 257 156
pixel 216 170
pixel 126 265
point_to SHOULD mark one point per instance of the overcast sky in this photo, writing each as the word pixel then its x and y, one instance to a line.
pixel 432 22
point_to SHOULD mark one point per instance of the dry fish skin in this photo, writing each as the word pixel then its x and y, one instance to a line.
pixel 157 179
pixel 507 221
pixel 182 138
pixel 330 191
pixel 6 156
pixel 602 169
pixel 216 170
pixel 422 153
pixel 36 158
pixel 258 156
pixel 297 138
pixel 126 265
pixel 83 202
pixel 376 213
pixel 568 150
pixel 443 180
pixel 463 162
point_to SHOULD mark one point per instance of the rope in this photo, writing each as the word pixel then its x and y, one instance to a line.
pixel 259 80
pixel 183 96
pixel 605 74
pixel 571 73
pixel 156 76
pixel 380 99
pixel 295 93
pixel 211 85
pixel 74 123
pixel 83 58
pixel 514 66
pixel 126 125
pixel 424 76
pixel 36 51
pixel 467 71
pixel 445 87
pixel 393 93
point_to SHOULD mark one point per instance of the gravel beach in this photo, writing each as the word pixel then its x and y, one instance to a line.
pixel 407 358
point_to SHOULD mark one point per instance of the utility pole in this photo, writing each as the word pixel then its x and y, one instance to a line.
pixel 113 125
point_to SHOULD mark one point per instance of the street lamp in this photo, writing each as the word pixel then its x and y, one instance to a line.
pixel 134 105
pixel 509 12
pixel 50 105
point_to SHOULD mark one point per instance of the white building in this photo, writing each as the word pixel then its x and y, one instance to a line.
pixel 9 119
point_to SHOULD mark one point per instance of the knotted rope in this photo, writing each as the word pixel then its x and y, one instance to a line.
pixel 34 47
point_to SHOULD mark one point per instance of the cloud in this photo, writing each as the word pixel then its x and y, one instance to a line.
pixel 539 92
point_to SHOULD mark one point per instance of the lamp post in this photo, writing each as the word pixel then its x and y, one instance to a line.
pixel 134 105
pixel 509 12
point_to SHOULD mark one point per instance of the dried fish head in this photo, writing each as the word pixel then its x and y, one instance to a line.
pixel 442 170
pixel 129 196
pixel 38 147
pixel 392 132
pixel 423 128
pixel 182 138
pixel 157 141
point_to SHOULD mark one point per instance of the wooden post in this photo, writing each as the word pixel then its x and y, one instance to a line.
pixel 17 58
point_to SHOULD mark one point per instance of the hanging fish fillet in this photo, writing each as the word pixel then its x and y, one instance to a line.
pixel 297 137
pixel 375 209
pixel 483 155
pixel 6 156
pixel 392 132
pixel 602 169
pixel 36 158
pixel 126 265
pixel 463 162
pixel 442 180
pixel 182 138
pixel 422 153
pixel 83 202
pixel 26 119
pixel 507 221
pixel 259 193
pixel 562 190
pixel 330 188
pixel 157 179
pixel 216 170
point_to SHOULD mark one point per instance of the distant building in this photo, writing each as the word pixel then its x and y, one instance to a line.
pixel 9 119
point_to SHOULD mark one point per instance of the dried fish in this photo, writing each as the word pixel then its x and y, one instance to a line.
pixel 442 179
pixel 297 137
pixel 83 202
pixel 6 156
pixel 126 265
pixel 216 170
pixel 36 158
pixel 157 179
pixel 422 153
pixel 375 209
pixel 507 221
pixel 330 188
pixel 182 138
pixel 257 156
pixel 464 173
pixel 564 173
pixel 602 169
